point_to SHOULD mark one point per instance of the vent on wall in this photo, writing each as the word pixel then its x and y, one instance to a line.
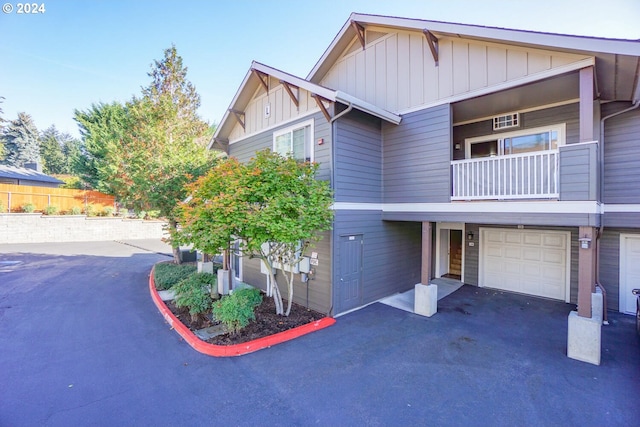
pixel 507 121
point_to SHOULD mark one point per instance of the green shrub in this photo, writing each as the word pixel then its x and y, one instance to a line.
pixel 2 209
pixel 168 274
pixel 90 210
pixel 107 211
pixel 235 311
pixel 75 211
pixel 152 214
pixel 51 210
pixel 28 208
pixel 194 293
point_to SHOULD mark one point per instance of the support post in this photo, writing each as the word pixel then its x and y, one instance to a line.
pixel 426 295
pixel 586 270
pixel 586 104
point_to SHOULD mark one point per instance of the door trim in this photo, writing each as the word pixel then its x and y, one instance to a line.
pixel 622 285
pixel 449 226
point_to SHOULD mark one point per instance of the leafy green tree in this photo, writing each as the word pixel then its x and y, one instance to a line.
pixel 21 141
pixel 144 152
pixel 273 205
pixel 103 128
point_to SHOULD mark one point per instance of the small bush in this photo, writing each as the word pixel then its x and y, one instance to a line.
pixel 168 274
pixel 107 211
pixel 235 311
pixel 51 210
pixel 193 293
pixel 2 209
pixel 28 208
pixel 75 211
pixel 152 215
pixel 90 210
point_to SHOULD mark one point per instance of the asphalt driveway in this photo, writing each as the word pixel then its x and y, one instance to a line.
pixel 81 343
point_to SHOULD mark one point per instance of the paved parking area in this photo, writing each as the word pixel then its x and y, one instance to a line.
pixel 82 344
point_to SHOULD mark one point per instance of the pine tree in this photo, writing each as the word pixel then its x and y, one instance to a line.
pixel 21 141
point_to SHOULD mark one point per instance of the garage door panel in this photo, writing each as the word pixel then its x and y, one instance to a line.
pixel 532 254
pixel 511 237
pixel 526 261
pixel 557 241
pixel 532 239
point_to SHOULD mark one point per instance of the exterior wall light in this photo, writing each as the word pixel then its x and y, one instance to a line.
pixel 470 235
pixel 585 242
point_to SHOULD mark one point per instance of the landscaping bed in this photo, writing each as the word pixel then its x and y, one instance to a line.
pixel 267 322
pixel 265 330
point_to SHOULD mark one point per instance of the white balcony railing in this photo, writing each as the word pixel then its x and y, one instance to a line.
pixel 516 176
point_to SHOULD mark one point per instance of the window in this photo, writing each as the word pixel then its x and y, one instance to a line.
pixel 524 141
pixel 236 260
pixel 295 142
pixel 506 121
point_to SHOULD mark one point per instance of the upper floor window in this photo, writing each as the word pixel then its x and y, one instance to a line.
pixel 295 141
pixel 519 142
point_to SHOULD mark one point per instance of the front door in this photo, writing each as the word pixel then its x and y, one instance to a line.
pixel 350 273
pixel 450 250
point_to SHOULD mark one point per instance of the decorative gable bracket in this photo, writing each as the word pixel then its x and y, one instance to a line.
pixel 264 78
pixel 433 44
pixel 360 32
pixel 288 88
pixel 239 115
pixel 323 108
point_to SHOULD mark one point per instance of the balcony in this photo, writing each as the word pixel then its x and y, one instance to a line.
pixel 532 175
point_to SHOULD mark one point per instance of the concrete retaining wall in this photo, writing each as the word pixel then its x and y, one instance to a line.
pixel 38 228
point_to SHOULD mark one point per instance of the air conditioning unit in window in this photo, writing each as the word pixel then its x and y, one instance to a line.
pixel 506 121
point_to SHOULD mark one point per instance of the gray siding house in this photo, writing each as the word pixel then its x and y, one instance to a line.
pixel 501 158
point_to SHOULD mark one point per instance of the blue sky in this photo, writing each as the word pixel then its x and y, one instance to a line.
pixel 83 52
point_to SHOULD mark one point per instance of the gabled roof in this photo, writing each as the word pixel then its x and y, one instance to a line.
pixel 13 172
pixel 251 82
pixel 607 51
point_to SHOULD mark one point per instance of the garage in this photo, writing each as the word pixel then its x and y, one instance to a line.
pixel 629 271
pixel 534 262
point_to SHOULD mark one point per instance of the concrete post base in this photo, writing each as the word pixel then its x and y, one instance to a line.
pixel 426 300
pixel 205 267
pixel 584 339
pixel 597 305
pixel 223 282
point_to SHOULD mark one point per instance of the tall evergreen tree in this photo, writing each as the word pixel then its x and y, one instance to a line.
pixel 21 141
pixel 57 151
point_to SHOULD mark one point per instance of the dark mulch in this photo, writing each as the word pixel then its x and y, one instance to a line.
pixel 267 322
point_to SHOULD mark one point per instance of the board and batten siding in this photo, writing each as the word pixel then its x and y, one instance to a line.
pixel 391 252
pixel 246 148
pixel 282 109
pixel 396 71
pixel 358 159
pixel 417 156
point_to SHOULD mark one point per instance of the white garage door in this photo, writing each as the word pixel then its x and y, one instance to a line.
pixel 527 261
pixel 629 271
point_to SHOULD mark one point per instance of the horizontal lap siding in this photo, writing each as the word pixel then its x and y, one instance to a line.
pixel 391 252
pixel 245 149
pixel 610 265
pixel 622 158
pixel 578 172
pixel 319 287
pixel 416 157
pixel 358 159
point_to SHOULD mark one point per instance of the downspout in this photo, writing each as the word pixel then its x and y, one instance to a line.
pixel 333 183
pixel 634 106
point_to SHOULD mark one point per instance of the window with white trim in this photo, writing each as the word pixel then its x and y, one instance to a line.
pixel 522 141
pixel 295 141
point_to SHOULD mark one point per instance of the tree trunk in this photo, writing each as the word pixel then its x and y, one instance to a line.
pixel 177 255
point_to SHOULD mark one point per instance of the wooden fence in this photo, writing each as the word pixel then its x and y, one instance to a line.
pixel 14 197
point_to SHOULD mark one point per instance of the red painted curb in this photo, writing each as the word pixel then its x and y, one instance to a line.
pixel 235 349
